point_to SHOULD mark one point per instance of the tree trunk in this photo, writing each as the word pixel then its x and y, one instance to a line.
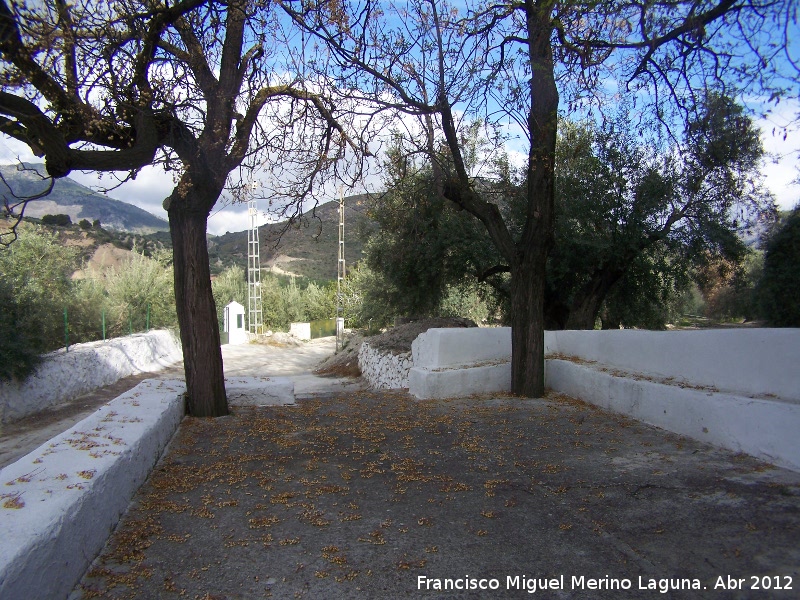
pixel 197 315
pixel 585 308
pixel 527 324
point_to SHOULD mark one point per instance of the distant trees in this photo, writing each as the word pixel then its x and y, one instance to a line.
pixel 37 270
pixel 283 301
pixel 779 288
pixel 58 220
pixel 128 294
pixel 36 287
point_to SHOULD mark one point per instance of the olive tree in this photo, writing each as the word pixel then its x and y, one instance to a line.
pixel 514 64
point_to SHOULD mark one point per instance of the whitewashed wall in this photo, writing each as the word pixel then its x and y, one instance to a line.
pixel 734 388
pixel 66 375
pixel 761 362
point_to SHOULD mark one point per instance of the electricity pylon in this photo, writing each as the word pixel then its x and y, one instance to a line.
pixel 340 274
pixel 254 313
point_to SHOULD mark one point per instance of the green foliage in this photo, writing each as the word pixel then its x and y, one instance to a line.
pixel 140 283
pixel 57 220
pixel 36 285
pixel 126 293
pixel 36 270
pixel 728 287
pixel 283 299
pixel 424 247
pixel 635 218
pixel 779 287
pixel 229 286
pixel 319 301
pixel 18 353
pixel 88 302
pixel 466 300
pixel 634 215
pixel 652 292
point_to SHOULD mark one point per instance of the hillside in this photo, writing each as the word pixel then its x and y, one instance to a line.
pixel 79 202
pixel 307 249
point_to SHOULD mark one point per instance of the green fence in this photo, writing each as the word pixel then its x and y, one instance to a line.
pixel 323 328
pixel 141 320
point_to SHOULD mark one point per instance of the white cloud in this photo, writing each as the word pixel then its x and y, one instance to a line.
pixel 147 191
pixel 782 169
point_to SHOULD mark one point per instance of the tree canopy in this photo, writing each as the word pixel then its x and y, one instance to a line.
pixel 634 217
pixel 779 287
pixel 514 65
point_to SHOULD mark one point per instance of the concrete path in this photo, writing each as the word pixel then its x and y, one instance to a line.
pixel 296 362
pixel 21 437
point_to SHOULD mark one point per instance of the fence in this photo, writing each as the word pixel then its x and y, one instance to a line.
pixel 104 329
pixel 323 328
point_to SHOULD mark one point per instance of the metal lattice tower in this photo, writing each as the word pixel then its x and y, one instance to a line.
pixel 254 314
pixel 340 277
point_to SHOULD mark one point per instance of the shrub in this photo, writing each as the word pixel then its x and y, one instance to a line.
pixel 779 287
pixel 58 220
pixel 19 354
pixel 36 269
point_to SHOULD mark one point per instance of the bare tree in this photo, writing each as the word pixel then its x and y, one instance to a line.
pixel 515 64
pixel 204 87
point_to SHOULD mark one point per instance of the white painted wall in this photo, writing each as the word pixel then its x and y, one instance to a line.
pixel 302 331
pixel 440 348
pixel 734 388
pixel 66 375
pixel 751 362
pixel 766 429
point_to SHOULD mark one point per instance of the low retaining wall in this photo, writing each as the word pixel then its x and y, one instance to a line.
pixel 734 388
pixel 749 362
pixel 767 429
pixel 460 362
pixel 59 503
pixel 384 370
pixel 63 376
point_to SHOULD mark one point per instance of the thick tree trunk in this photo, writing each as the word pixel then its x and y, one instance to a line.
pixel 583 311
pixel 197 315
pixel 527 324
pixel 585 307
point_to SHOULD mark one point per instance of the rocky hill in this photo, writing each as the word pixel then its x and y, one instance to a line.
pixel 308 248
pixel 79 202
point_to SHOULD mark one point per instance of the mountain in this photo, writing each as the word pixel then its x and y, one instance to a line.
pixel 308 248
pixel 79 202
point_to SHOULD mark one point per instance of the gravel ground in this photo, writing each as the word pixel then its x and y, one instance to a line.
pixel 371 494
